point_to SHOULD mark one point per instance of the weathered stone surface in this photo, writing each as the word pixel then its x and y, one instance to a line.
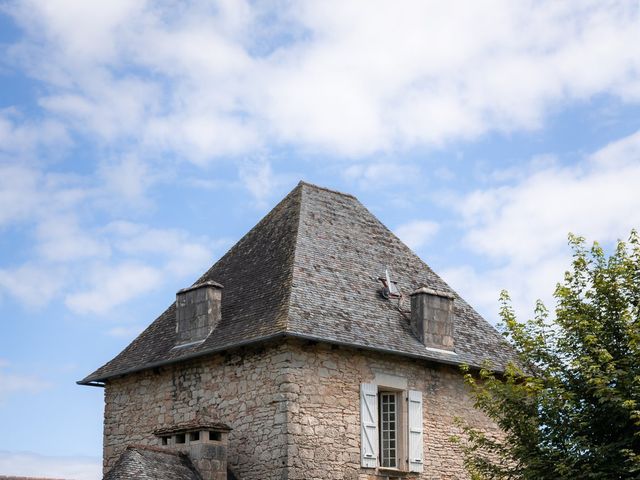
pixel 293 408
pixel 324 433
pixel 240 389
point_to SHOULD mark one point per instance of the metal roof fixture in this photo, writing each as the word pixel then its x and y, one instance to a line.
pixel 389 287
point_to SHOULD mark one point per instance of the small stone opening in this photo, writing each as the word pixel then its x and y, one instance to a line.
pixel 194 436
pixel 181 438
pixel 216 436
pixel 165 440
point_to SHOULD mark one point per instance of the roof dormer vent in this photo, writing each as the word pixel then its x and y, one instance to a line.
pixel 432 318
pixel 198 312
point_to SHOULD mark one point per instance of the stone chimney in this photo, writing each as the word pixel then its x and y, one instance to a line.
pixel 198 312
pixel 205 445
pixel 432 318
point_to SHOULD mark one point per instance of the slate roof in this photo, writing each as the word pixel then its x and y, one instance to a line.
pixel 143 462
pixel 309 269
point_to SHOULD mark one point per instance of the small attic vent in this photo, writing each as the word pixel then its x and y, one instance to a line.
pixel 389 287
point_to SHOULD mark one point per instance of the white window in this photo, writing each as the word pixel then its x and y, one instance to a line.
pixel 391 428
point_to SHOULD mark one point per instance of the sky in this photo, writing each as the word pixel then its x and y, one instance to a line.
pixel 140 139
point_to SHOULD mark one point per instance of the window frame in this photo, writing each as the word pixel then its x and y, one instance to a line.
pixel 396 431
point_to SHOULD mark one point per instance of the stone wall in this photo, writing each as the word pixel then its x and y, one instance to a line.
pixel 240 389
pixel 324 418
pixel 293 407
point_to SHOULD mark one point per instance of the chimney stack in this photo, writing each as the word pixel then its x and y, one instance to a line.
pixel 432 318
pixel 198 312
pixel 205 445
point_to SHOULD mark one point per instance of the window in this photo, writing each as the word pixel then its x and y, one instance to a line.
pixel 388 429
pixel 391 428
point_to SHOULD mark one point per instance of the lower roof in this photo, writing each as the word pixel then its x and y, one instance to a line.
pixel 152 463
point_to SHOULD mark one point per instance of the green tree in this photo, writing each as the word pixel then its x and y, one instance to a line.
pixel 570 408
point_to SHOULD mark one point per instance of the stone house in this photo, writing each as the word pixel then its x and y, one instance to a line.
pixel 318 347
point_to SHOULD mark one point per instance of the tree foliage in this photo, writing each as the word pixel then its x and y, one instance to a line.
pixel 570 409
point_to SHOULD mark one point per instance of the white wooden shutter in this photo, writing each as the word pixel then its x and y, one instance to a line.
pixel 416 454
pixel 369 425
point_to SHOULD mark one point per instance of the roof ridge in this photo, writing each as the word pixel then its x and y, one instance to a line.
pixel 330 190
pixel 236 246
pixel 291 274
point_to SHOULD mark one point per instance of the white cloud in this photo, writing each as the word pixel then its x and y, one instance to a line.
pixel 97 269
pixel 481 287
pixel 125 331
pixel 184 255
pixel 381 174
pixel 199 136
pixel 417 232
pixel 21 137
pixel 13 383
pixel 112 285
pixel 28 193
pixel 34 465
pixel 60 239
pixel 259 179
pixel 71 253
pixel 522 227
pixel 17 184
pixel 126 180
pixel 189 258
pixel 34 285
pixel 621 154
pixel 144 259
pixel 217 80
pixel 110 108
pixel 597 198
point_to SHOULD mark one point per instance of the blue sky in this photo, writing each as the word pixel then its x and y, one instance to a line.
pixel 139 140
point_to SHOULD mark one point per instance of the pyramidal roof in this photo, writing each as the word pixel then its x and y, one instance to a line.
pixel 309 269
